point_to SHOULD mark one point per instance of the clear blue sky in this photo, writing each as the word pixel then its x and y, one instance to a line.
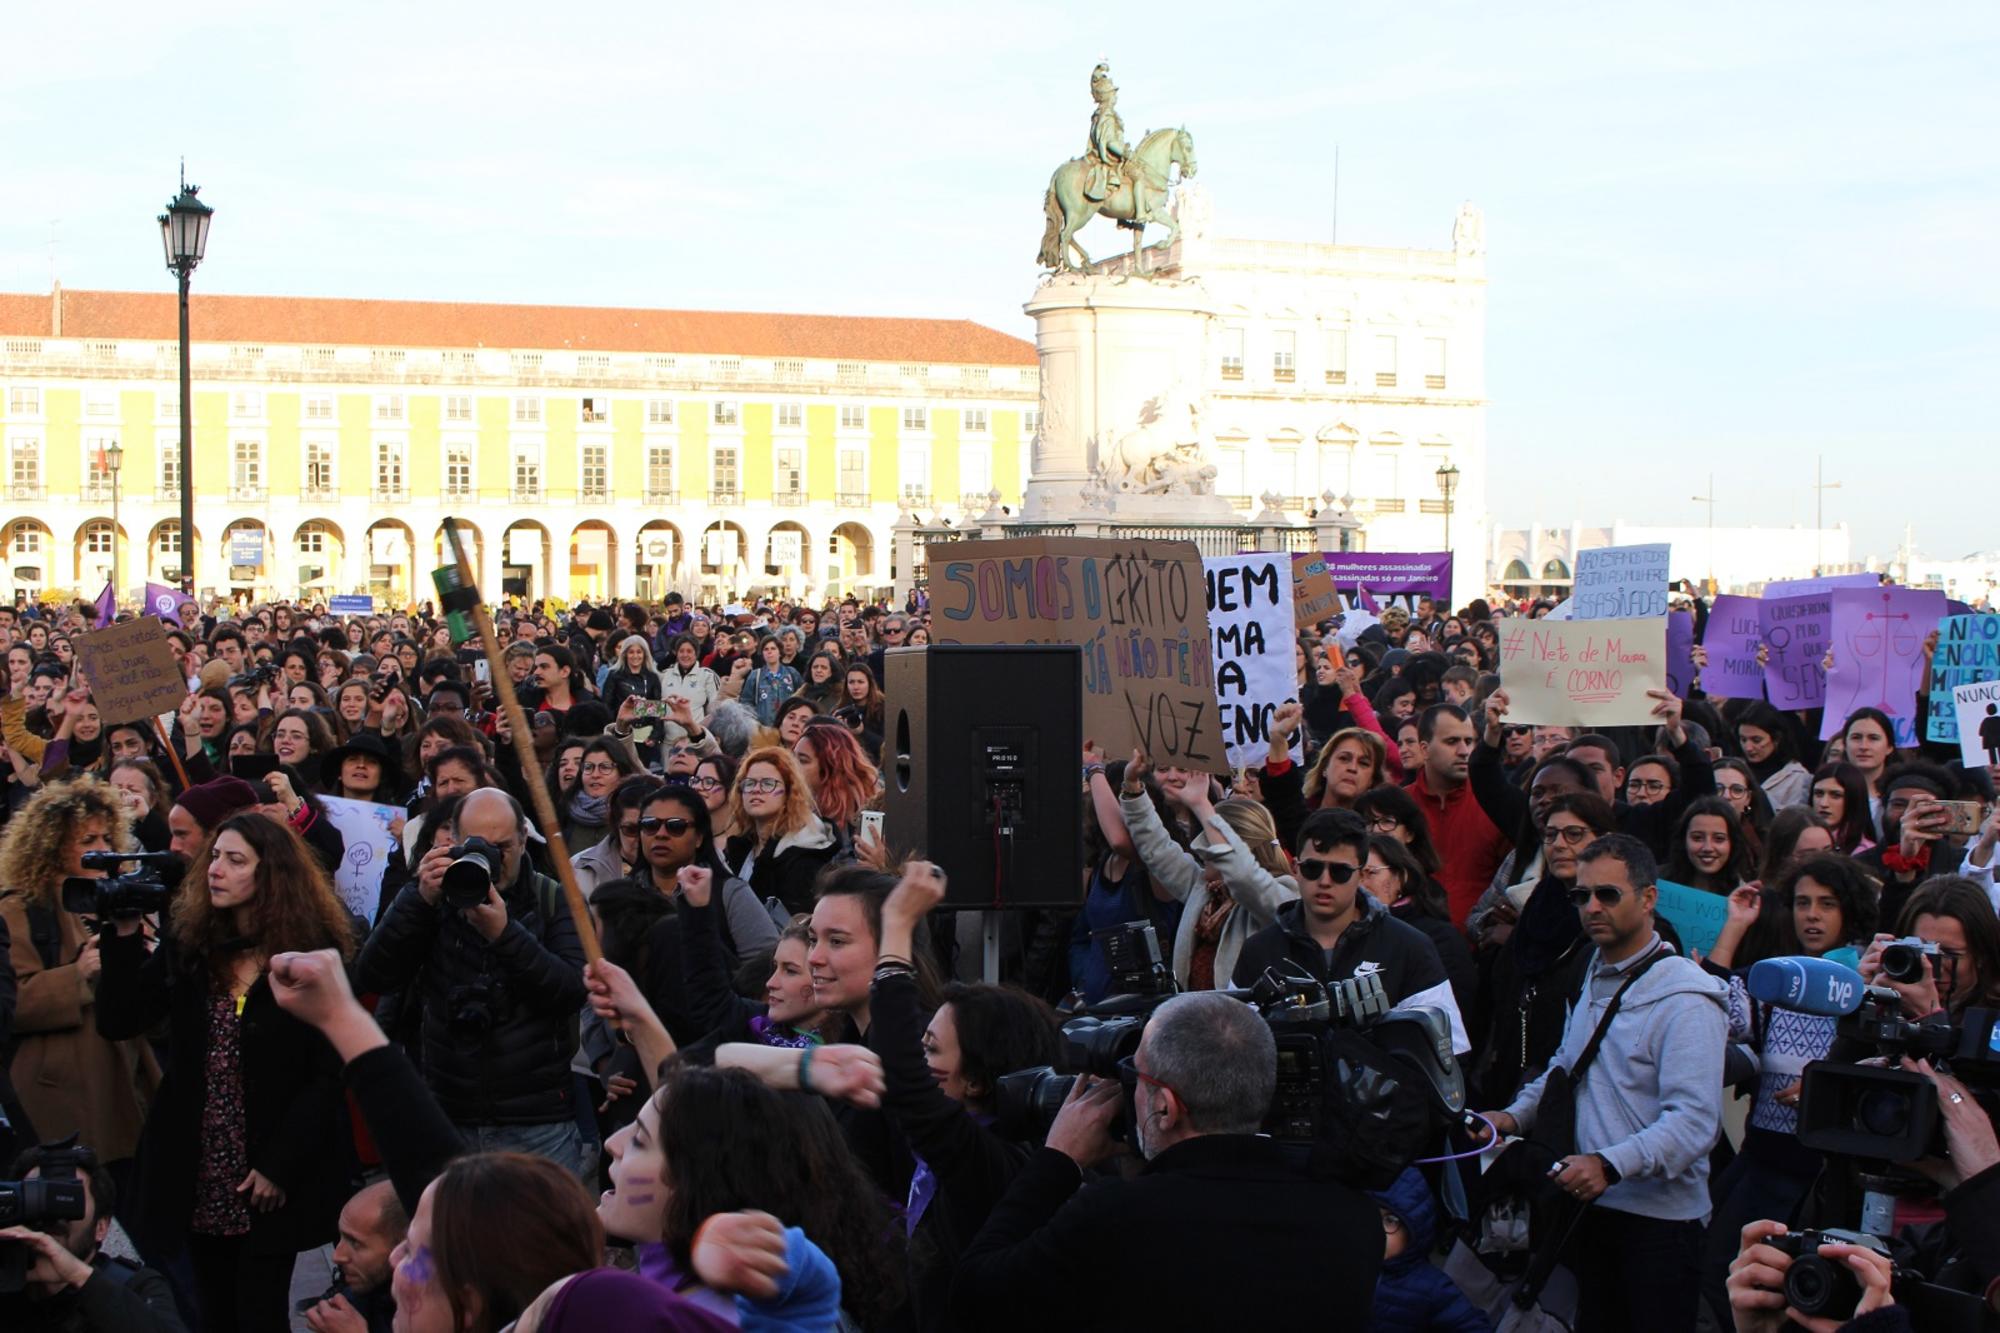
pixel 1722 237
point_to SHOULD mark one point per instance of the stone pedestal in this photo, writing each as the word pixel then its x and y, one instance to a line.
pixel 1116 352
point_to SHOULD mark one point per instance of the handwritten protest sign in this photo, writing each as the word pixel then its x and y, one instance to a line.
pixel 1254 639
pixel 1968 650
pixel 1313 595
pixel 1697 915
pixel 1680 652
pixel 1977 709
pixel 1136 607
pixel 365 827
pixel 132 670
pixel 1796 632
pixel 1878 654
pixel 1621 582
pixel 1587 673
pixel 1734 626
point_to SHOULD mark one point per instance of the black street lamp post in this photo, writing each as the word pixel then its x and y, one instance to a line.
pixel 184 233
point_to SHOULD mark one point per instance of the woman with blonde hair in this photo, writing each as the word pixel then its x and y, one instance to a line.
pixel 1349 763
pixel 240 1162
pixel 70 1079
pixel 783 844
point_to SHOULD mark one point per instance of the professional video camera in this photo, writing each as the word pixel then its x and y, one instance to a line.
pixel 475 868
pixel 1362 1086
pixel 150 888
pixel 56 1195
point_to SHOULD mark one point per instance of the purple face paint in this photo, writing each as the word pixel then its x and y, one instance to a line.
pixel 636 1200
pixel 417 1268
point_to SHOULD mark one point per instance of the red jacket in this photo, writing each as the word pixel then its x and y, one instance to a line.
pixel 1470 845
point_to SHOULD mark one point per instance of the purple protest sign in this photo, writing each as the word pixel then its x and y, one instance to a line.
pixel 1824 583
pixel 1796 630
pixel 1680 650
pixel 1878 654
pixel 1394 576
pixel 1731 635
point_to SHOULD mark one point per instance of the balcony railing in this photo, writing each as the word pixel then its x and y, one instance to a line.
pixel 525 495
pixel 99 491
pixel 396 494
pixel 728 497
pixel 462 490
pixel 324 493
pixel 915 497
pixel 788 499
pixel 593 495
pixel 249 493
pixel 26 490
pixel 852 500
pixel 658 496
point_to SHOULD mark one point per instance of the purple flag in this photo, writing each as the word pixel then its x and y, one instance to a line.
pixel 163 601
pixel 107 606
pixel 1730 636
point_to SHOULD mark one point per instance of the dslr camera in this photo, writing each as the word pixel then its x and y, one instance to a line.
pixel 55 1196
pixel 120 897
pixel 1903 960
pixel 474 869
pixel 1816 1286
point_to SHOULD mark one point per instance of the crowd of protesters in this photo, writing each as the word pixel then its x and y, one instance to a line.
pixel 775 1102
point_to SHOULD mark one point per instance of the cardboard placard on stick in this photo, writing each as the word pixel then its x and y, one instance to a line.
pixel 132 669
pixel 1138 610
pixel 1582 673
pixel 1313 594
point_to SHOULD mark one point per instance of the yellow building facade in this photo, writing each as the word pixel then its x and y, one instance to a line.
pixel 587 452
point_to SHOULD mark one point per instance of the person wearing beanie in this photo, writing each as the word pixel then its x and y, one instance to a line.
pixel 202 808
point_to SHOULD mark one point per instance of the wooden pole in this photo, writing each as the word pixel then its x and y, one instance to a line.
pixel 173 754
pixel 524 747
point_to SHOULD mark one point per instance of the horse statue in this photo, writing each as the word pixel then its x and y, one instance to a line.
pixel 1140 198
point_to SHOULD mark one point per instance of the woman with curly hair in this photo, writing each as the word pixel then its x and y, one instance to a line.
pixel 70 1079
pixel 239 1163
pixel 783 844
pixel 842 781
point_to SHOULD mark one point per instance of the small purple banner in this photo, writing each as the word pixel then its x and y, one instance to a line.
pixel 1392 576
pixel 1731 635
pixel 1797 631
pixel 163 601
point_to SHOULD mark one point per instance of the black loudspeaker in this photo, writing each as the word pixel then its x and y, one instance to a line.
pixel 984 753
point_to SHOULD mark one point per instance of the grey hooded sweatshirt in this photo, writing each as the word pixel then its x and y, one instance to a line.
pixel 1651 1103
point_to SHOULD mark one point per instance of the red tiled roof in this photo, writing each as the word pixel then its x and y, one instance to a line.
pixel 321 321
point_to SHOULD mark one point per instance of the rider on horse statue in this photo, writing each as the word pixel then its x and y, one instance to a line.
pixel 1108 149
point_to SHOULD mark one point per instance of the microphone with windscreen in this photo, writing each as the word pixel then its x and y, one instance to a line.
pixel 1807 985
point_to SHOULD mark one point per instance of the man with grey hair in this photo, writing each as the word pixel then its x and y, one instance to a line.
pixel 1270 1239
pixel 502 986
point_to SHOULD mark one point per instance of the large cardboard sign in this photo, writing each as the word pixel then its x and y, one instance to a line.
pixel 1137 608
pixel 1253 640
pixel 132 670
pixel 1620 582
pixel 1582 673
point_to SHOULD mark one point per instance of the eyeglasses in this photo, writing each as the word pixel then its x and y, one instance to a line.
pixel 600 770
pixel 1384 824
pixel 674 825
pixel 1607 897
pixel 760 786
pixel 1650 786
pixel 1572 835
pixel 705 784
pixel 1312 869
pixel 1733 789
pixel 629 830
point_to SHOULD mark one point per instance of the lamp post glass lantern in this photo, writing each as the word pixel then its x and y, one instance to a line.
pixel 1447 477
pixel 184 236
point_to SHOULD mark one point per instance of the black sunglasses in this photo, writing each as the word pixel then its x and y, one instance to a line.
pixel 674 825
pixel 1580 898
pixel 1339 872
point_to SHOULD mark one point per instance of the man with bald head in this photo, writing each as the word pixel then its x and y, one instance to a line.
pixel 371 1226
pixel 502 984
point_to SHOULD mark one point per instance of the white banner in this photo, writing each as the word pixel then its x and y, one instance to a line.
pixel 1251 632
pixel 365 826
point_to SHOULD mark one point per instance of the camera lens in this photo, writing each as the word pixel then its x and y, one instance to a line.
pixel 1903 964
pixel 1816 1286
pixel 1883 1111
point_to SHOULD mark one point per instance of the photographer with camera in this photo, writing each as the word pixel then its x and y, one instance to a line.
pixel 71 1285
pixel 492 944
pixel 1272 1242
pixel 1633 1102
pixel 70 1079
pixel 1951 953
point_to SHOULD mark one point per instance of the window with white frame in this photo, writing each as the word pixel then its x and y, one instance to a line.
pixel 27 540
pixel 791 416
pixel 1232 353
pixel 594 410
pixel 246 466
pixel 853 416
pixel 24 464
pixel 97 538
pixel 1031 421
pixel 791 472
pixel 246 403
pixel 853 473
pixel 319 467
pixel 1229 476
pixel 596 479
pixel 659 411
pixel 975 421
pixel 913 474
pixel 1433 363
pixel 975 470
pixel 1385 360
pixel 1388 485
pixel 724 412
pixel 723 473
pixel 24 402
pixel 319 407
pixel 312 540
pixel 1336 356
pixel 389 407
pixel 170 465
pixel 527 471
pixel 1284 356
pixel 916 418
pixel 458 469
pixel 97 448
pixel 389 467
pixel 527 411
pixel 458 407
pixel 169 540
pixel 659 472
